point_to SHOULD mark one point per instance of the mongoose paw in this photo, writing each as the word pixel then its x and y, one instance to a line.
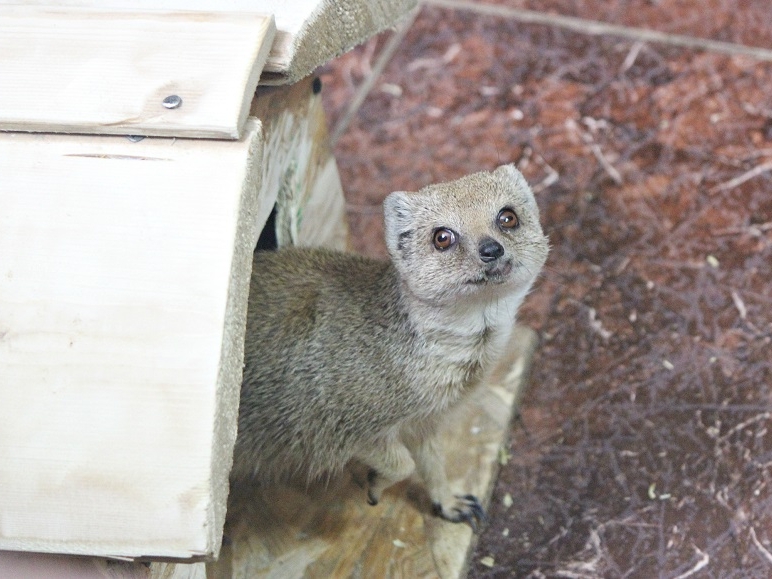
pixel 465 509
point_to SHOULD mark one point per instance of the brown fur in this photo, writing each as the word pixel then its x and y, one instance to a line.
pixel 353 358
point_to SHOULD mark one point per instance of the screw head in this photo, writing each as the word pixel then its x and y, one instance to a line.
pixel 173 101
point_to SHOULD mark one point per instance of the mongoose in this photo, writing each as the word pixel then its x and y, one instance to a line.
pixel 349 358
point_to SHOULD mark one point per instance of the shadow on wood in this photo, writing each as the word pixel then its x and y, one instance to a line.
pixel 330 531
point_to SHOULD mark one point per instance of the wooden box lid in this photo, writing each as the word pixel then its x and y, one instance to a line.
pixel 121 71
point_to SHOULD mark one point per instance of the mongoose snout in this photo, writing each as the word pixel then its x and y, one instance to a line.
pixel 354 359
pixel 490 250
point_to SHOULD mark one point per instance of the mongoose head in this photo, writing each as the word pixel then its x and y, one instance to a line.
pixel 478 236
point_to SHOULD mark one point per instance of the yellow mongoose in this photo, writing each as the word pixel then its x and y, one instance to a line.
pixel 354 358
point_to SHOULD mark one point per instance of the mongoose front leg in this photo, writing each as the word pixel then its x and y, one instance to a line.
pixel 390 462
pixel 430 466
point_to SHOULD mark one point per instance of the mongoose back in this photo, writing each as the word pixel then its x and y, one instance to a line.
pixel 349 358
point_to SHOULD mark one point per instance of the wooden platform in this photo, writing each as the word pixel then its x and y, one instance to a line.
pixel 333 532
pixel 308 34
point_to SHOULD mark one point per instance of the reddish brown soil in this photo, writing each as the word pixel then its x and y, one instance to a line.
pixel 645 447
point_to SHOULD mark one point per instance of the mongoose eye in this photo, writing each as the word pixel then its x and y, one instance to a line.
pixel 444 238
pixel 508 219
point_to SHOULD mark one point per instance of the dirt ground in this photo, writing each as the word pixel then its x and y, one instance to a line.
pixel 644 447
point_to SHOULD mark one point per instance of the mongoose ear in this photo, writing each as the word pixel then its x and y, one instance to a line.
pixel 514 179
pixel 397 219
pixel 510 173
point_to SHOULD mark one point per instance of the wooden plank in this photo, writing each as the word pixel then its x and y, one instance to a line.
pixel 16 565
pixel 300 167
pixel 101 71
pixel 328 29
pixel 330 531
pixel 124 274
pixel 309 32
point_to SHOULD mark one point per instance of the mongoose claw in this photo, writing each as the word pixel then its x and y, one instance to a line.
pixel 477 509
pixel 467 509
pixel 372 495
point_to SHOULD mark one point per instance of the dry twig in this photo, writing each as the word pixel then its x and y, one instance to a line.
pixel 699 565
pixel 740 179
pixel 762 549
pixel 739 304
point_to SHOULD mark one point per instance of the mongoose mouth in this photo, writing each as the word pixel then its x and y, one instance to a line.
pixel 497 274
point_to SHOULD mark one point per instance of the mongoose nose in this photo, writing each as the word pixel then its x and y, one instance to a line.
pixel 490 250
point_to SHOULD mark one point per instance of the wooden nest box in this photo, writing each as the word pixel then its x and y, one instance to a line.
pixel 137 168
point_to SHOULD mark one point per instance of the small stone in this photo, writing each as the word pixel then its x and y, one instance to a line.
pixel 398 544
pixel 712 261
pixel 487 561
pixel 392 89
pixel 516 115
pixel 507 500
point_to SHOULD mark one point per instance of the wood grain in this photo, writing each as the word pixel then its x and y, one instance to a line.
pixel 124 273
pixel 15 565
pixel 100 71
pixel 309 32
pixel 329 28
pixel 300 167
pixel 330 531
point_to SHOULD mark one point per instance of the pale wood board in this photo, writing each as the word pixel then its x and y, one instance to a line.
pixel 330 29
pixel 124 274
pixel 300 156
pixel 16 565
pixel 283 532
pixel 309 32
pixel 101 71
pixel 300 167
